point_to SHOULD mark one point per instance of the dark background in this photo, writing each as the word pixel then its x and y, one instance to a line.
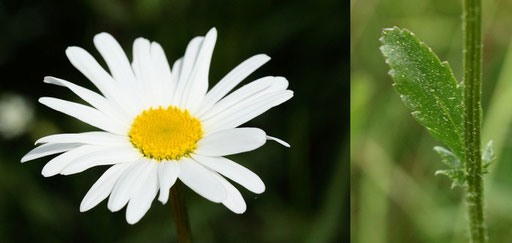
pixel 307 196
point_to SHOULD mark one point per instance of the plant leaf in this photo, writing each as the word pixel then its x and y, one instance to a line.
pixel 456 171
pixel 488 156
pixel 449 158
pixel 457 175
pixel 427 86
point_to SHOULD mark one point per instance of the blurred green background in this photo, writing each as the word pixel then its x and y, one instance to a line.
pixel 307 197
pixel 395 196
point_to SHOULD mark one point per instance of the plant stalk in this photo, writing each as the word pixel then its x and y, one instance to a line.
pixel 472 64
pixel 180 213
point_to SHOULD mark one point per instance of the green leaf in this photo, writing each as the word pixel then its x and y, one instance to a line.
pixel 456 171
pixel 488 156
pixel 449 158
pixel 427 86
pixel 457 175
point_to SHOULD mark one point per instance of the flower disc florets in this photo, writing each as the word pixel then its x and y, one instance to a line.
pixel 165 134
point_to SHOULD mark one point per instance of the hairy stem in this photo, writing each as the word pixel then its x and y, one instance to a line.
pixel 472 31
pixel 180 213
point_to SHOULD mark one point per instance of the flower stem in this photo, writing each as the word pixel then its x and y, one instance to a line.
pixel 180 213
pixel 472 31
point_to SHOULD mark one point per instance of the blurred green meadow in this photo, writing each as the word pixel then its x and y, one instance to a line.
pixel 395 196
pixel 307 195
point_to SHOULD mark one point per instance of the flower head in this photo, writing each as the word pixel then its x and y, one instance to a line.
pixel 160 124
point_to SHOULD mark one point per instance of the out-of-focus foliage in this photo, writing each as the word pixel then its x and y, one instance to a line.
pixel 307 186
pixel 395 196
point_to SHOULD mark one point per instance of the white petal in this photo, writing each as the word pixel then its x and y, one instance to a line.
pixel 146 72
pixel 234 201
pixel 84 113
pixel 143 195
pixel 237 96
pixel 97 101
pixel 48 149
pixel 201 180
pixel 237 115
pixel 103 186
pixel 232 79
pixel 233 171
pixel 98 138
pixel 167 174
pixel 247 94
pixel 164 73
pixel 115 58
pixel 279 141
pixel 57 164
pixel 197 85
pixel 186 68
pixel 87 65
pixel 231 141
pixel 176 70
pixel 90 68
pixel 124 186
pixel 106 156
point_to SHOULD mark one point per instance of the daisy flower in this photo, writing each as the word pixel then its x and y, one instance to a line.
pixel 160 124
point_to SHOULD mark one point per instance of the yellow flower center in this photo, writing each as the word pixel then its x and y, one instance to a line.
pixel 165 134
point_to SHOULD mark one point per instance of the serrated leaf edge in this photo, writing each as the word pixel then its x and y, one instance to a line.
pixel 444 64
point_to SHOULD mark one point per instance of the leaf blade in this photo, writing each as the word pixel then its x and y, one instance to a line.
pixel 488 157
pixel 457 175
pixel 427 86
pixel 448 158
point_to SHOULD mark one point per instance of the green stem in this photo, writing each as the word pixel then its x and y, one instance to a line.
pixel 472 29
pixel 180 213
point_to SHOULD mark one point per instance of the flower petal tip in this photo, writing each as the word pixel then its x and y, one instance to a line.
pixel 70 50
pixel 48 79
pixel 102 35
pixel 265 56
pixel 42 100
pixel 240 212
pixel 278 141
pixel 162 200
pixel 46 174
pixel 24 159
pixel 83 208
pixel 260 190
pixel 132 221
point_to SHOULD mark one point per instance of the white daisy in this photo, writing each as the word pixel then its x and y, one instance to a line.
pixel 160 125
